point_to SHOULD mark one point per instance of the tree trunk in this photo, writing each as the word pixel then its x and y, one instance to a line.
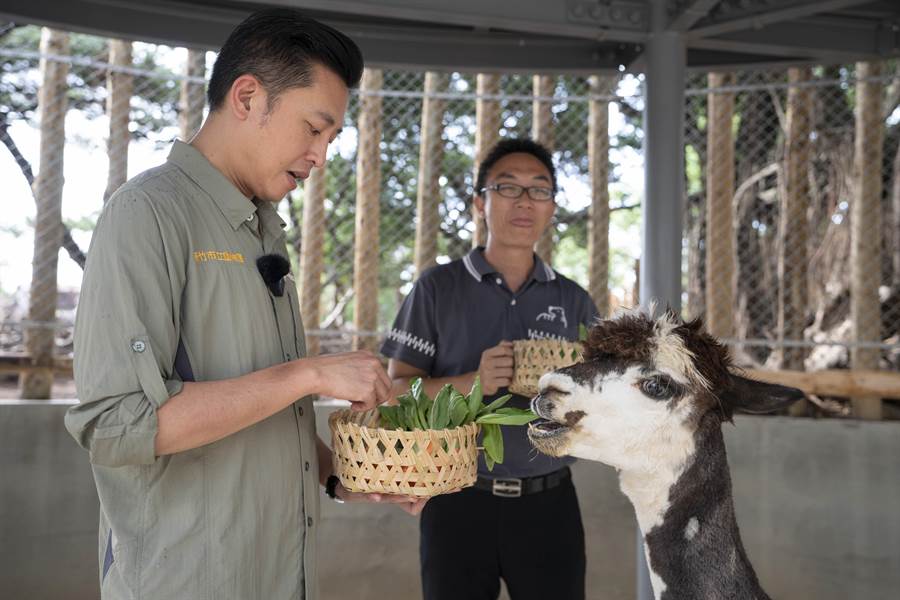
pixel 865 224
pixel 895 220
pixel 719 212
pixel 368 193
pixel 431 152
pixel 120 86
pixel 598 165
pixel 756 147
pixel 48 230
pixel 487 132
pixel 192 98
pixel 311 251
pixel 542 132
pixel 792 256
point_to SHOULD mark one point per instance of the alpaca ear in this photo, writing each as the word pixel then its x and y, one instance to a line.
pixel 756 397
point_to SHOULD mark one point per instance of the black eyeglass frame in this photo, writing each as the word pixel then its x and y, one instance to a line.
pixel 522 190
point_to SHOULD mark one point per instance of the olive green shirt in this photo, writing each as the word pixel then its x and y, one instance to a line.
pixel 173 258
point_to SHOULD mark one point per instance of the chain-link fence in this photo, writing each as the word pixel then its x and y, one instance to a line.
pixel 793 201
pixel 789 256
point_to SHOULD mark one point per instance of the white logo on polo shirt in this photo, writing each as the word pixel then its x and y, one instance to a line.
pixel 551 315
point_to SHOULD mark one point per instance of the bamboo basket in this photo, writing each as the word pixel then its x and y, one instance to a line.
pixel 533 358
pixel 421 463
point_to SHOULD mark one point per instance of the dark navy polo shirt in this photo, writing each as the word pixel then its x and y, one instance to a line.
pixel 458 310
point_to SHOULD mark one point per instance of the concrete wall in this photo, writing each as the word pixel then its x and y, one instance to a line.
pixel 816 501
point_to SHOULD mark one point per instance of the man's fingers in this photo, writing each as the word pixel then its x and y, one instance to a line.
pixel 502 361
pixel 502 372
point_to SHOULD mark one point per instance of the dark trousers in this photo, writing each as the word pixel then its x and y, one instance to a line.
pixel 469 540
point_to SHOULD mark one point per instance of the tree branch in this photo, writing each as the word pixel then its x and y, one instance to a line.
pixel 75 253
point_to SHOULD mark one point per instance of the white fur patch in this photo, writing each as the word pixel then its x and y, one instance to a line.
pixel 672 356
pixel 691 529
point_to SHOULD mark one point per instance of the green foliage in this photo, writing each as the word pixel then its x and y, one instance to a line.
pixel 450 408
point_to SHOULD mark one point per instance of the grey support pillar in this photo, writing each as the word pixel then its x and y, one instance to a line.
pixel 660 278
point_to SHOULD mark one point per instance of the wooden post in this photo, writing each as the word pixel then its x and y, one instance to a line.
pixel 192 98
pixel 368 192
pixel 48 231
pixel 720 259
pixel 119 87
pixel 636 290
pixel 431 152
pixel 311 250
pixel 487 132
pixel 543 87
pixel 865 230
pixel 792 227
pixel 598 167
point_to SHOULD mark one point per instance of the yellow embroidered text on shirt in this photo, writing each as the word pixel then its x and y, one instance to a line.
pixel 208 255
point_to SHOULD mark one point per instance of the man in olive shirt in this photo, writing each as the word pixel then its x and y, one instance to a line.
pixel 196 398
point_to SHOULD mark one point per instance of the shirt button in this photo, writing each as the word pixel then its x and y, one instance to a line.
pixel 513 302
pixel 306 466
pixel 499 281
pixel 250 218
pixel 138 346
pixel 309 521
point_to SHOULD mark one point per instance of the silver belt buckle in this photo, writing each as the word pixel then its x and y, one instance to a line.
pixel 507 488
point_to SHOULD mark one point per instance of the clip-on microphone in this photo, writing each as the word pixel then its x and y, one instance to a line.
pixel 273 268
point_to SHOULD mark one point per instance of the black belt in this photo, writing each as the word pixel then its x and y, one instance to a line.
pixel 512 487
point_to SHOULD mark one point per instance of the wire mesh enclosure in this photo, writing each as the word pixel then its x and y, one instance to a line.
pixel 790 236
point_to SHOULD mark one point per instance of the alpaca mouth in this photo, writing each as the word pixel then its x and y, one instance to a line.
pixel 545 428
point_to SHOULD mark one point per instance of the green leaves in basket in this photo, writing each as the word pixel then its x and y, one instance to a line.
pixel 390 416
pixel 493 445
pixel 496 404
pixel 439 415
pixel 458 408
pixel 474 400
pixel 423 402
pixel 507 416
pixel 450 408
pixel 582 333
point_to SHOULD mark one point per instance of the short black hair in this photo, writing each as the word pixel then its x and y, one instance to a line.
pixel 280 46
pixel 513 146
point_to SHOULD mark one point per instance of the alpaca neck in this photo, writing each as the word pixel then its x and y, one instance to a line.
pixel 691 537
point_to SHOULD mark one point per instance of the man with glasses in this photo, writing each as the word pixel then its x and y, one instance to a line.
pixel 521 521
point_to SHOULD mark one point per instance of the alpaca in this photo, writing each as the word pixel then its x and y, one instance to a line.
pixel 649 399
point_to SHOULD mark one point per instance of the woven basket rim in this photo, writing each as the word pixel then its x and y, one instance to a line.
pixel 421 462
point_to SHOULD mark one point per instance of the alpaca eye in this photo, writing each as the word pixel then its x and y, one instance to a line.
pixel 658 388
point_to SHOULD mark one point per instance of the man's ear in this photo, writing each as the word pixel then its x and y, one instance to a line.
pixel 245 90
pixel 757 397
pixel 478 201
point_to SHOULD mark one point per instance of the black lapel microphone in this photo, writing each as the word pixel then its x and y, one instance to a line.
pixel 273 268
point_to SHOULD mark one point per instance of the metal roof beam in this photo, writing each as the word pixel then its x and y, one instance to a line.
pixel 692 13
pixel 769 17
pixel 827 40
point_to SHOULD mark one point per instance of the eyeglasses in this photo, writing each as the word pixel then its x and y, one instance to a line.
pixel 513 190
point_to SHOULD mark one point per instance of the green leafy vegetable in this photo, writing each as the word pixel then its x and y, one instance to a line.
pixel 450 408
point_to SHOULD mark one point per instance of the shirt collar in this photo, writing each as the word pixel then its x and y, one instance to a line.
pixel 272 222
pixel 235 206
pixel 478 266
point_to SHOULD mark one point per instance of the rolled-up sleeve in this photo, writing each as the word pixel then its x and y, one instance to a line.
pixel 126 334
pixel 413 338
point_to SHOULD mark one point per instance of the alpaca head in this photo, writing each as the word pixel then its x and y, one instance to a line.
pixel 641 392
